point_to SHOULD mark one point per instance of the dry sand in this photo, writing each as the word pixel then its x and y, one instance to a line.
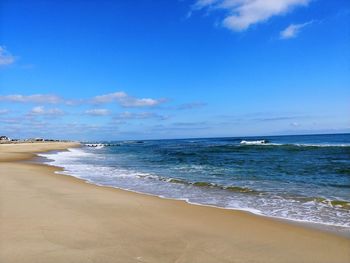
pixel 46 217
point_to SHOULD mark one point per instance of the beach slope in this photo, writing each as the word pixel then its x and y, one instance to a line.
pixel 51 218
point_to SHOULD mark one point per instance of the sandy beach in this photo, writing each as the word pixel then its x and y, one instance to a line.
pixel 47 217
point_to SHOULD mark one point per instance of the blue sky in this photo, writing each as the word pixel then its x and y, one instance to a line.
pixel 92 70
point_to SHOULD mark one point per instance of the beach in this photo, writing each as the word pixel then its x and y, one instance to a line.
pixel 48 217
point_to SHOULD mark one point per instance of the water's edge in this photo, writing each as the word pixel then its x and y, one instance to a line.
pixel 324 227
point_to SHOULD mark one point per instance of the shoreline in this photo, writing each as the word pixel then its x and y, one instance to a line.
pixel 338 230
pixel 262 238
pixel 327 228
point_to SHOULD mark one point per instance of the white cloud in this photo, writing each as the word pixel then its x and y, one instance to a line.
pixel 40 110
pixel 292 30
pixel 244 13
pixel 36 98
pixel 109 97
pixel 98 112
pixel 5 57
pixel 124 100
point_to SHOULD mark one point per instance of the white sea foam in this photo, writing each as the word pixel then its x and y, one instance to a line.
pixel 322 145
pixel 264 142
pixel 258 142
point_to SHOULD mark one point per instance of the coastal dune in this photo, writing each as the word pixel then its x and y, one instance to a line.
pixel 47 217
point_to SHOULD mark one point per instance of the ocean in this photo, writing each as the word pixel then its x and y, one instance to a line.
pixel 302 178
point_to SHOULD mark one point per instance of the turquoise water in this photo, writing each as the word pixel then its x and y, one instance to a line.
pixel 303 178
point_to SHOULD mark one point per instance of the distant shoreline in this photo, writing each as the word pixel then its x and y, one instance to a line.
pixel 182 138
pixel 33 141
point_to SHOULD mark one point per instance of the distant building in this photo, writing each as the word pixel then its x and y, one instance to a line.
pixel 4 138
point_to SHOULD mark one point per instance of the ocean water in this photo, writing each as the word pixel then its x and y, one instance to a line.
pixel 303 178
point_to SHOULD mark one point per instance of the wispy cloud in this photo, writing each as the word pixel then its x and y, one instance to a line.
pixel 241 14
pixel 294 124
pixel 36 98
pixel 4 111
pixel 185 126
pixel 293 30
pixel 139 115
pixel 264 117
pixel 127 101
pixel 98 112
pixel 190 124
pixel 279 118
pixel 40 110
pixel 6 58
pixel 191 105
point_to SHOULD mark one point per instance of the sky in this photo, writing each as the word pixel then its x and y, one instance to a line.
pixel 155 69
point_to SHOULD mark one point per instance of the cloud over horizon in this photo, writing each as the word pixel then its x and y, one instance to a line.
pixel 36 98
pixel 242 14
pixel 98 112
pixel 127 101
pixel 120 97
pixel 139 116
pixel 41 111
